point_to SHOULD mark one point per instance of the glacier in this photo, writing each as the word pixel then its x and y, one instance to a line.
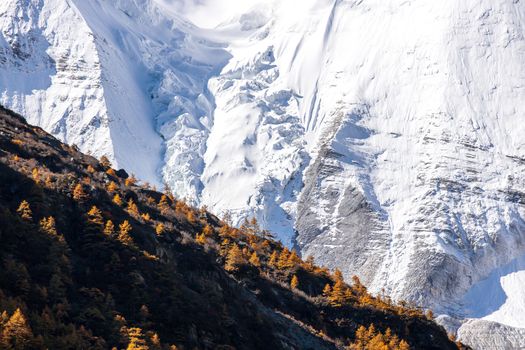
pixel 381 137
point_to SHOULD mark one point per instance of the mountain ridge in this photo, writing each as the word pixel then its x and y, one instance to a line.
pixel 403 131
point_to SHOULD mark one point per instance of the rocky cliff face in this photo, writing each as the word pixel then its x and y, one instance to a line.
pixel 381 137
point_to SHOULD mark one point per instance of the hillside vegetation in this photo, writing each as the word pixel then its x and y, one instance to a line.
pixel 92 259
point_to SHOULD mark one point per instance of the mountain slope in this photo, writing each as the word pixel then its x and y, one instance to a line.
pixel 176 276
pixel 382 137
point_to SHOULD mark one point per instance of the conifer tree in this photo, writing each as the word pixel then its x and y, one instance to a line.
pixel 207 230
pixel 273 259
pixel 338 296
pixel 358 286
pixel 132 209
pixel 309 264
pixel 117 200
pixel 124 230
pixel 338 275
pixel 112 186
pixel 104 161
pixel 403 345
pixel 78 193
pixel 24 210
pixel 150 200
pixel 95 216
pixel 254 260
pixel 200 238
pixel 294 283
pixel 293 259
pixel 159 229
pixel 146 217
pixel 283 262
pixel 48 181
pixel 163 205
pixel 234 258
pixel 327 290
pixel 155 341
pixel 48 226
pixel 136 339
pixel 36 175
pixel 4 317
pixel 17 334
pixel 109 228
pixel 130 181
pixel 190 216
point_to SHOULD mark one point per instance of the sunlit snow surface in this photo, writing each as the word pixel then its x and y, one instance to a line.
pixel 385 137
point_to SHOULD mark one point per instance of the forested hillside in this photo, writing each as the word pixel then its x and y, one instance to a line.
pixel 90 258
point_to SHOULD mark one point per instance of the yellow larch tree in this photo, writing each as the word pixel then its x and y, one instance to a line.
pixel 112 187
pixel 159 229
pixel 24 210
pixel 124 236
pixel 48 226
pixel 78 193
pixel 234 258
pixel 294 283
pixel 109 228
pixel 274 257
pixel 254 260
pixel 95 216
pixel 117 200
pixel 132 209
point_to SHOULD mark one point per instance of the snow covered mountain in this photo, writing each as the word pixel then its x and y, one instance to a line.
pixel 382 137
